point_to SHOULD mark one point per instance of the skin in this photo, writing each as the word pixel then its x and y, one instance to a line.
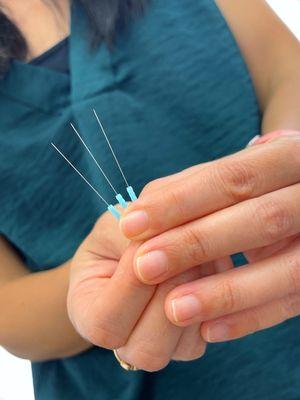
pixel 24 296
pixel 50 19
pixel 211 224
pixel 147 335
pixel 25 299
pixel 103 286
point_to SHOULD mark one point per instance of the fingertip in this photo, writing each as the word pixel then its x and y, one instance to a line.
pixel 215 332
pixel 183 311
pixel 134 223
pixel 152 267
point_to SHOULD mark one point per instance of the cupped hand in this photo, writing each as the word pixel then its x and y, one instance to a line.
pixel 111 308
pixel 248 202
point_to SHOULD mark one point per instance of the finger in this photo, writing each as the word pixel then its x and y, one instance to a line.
pixel 190 346
pixel 96 240
pixel 222 264
pixel 161 183
pixel 244 226
pixel 267 251
pixel 215 267
pixel 236 290
pixel 118 306
pixel 273 135
pixel 154 338
pixel 243 323
pixel 247 174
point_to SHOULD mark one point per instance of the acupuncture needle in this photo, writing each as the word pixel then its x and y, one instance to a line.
pixel 119 197
pixel 110 207
pixel 129 188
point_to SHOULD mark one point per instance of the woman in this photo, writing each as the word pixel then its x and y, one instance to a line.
pixel 173 89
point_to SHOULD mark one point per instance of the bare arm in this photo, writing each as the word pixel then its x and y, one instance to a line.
pixel 33 317
pixel 272 55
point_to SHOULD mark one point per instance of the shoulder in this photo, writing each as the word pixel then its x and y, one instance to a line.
pixel 264 40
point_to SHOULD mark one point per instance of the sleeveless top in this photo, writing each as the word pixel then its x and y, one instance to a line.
pixel 175 92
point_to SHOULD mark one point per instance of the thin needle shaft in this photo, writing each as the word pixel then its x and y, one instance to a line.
pixel 95 161
pixel 80 174
pixel 111 149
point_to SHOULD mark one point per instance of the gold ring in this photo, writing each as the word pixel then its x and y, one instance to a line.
pixel 124 364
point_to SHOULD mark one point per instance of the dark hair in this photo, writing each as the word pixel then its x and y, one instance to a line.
pixel 107 17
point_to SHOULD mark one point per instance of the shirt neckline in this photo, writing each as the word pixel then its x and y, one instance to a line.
pixel 38 87
pixel 50 51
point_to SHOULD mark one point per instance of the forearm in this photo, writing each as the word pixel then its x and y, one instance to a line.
pixel 33 317
pixel 282 110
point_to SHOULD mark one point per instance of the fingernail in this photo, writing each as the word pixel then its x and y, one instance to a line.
pixel 185 308
pixel 218 332
pixel 134 223
pixel 152 265
pixel 253 140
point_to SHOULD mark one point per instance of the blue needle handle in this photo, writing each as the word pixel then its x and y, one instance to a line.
pixel 121 200
pixel 114 212
pixel 131 193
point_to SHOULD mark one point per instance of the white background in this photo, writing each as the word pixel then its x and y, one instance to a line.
pixel 15 374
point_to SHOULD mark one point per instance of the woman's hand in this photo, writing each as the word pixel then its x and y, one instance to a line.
pixel 247 201
pixel 111 308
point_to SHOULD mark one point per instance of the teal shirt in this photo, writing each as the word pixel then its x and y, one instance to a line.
pixel 174 93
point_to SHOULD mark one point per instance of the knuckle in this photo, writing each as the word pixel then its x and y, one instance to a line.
pixel 227 295
pixel 176 198
pixel 197 245
pixel 238 180
pixel 274 219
